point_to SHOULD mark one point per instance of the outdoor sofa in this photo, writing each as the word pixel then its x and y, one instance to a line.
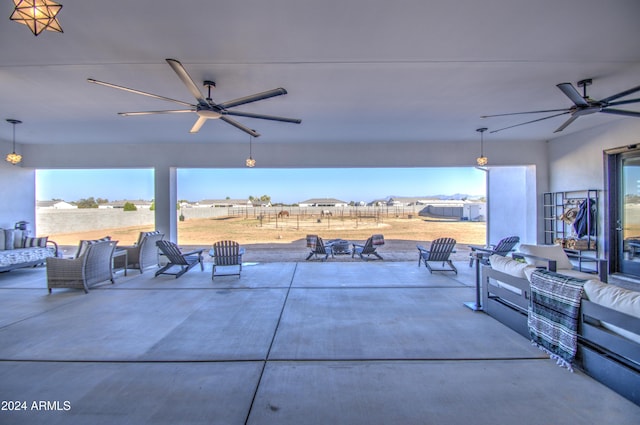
pixel 608 346
pixel 18 250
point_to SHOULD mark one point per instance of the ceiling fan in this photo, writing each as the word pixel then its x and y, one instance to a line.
pixel 206 109
pixel 582 105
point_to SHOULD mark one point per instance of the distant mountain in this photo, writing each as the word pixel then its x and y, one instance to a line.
pixel 454 197
pixel 458 196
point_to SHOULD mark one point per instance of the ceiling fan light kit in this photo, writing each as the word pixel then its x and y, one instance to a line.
pixel 206 108
pixel 13 157
pixel 582 105
pixel 38 15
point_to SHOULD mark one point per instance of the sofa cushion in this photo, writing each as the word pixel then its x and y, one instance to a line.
pixel 14 258
pixel 509 266
pixel 551 252
pixel 578 274
pixel 2 248
pixel 616 298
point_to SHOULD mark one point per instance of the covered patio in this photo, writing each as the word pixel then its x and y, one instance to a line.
pixel 287 343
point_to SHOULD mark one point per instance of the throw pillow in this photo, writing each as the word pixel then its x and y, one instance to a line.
pixel 84 244
pixel 143 235
pixel 35 242
pixel 17 238
pixel 9 238
pixel 551 252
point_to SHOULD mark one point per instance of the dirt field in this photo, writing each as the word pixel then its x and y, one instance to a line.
pixel 284 239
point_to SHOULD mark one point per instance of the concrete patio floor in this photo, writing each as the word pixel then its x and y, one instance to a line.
pixel 287 343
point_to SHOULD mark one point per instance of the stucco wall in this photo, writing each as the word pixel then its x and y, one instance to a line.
pixel 576 162
pixel 17 193
pixel 50 221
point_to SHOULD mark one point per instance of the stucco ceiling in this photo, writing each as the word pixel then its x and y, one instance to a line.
pixel 357 71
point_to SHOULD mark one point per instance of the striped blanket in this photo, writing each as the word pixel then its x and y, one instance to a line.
pixel 553 315
pixel 312 241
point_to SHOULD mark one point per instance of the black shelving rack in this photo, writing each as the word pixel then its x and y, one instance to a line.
pixel 558 208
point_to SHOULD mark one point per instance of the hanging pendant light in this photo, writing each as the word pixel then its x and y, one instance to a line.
pixel 13 157
pixel 250 162
pixel 38 15
pixel 482 160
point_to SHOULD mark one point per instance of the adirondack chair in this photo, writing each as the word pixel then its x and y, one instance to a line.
pixel 369 247
pixel 318 248
pixel 226 253
pixel 439 251
pixel 502 248
pixel 185 261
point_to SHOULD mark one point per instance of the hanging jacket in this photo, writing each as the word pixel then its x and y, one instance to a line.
pixel 585 223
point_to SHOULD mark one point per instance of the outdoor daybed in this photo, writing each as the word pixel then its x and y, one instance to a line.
pixel 17 250
pixel 608 339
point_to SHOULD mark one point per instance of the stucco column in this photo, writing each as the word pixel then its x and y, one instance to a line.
pixel 512 206
pixel 166 198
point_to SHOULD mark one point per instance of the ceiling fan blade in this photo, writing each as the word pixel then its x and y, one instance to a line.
pixel 566 123
pixel 621 94
pixel 621 112
pixel 264 117
pixel 236 124
pixel 198 124
pixel 252 98
pixel 522 113
pixel 529 122
pixel 572 93
pixel 115 86
pixel 623 102
pixel 187 80
pixel 172 111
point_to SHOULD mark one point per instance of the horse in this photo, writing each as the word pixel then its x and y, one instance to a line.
pixel 326 213
pixel 283 214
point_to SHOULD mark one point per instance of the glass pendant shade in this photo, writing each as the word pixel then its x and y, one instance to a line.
pixel 38 15
pixel 482 160
pixel 250 162
pixel 13 157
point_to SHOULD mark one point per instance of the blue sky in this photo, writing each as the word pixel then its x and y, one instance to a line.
pixel 283 185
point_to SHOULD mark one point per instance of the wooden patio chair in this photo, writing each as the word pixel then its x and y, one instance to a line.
pixel 369 248
pixel 226 253
pixel 318 248
pixel 185 261
pixel 502 248
pixel 439 251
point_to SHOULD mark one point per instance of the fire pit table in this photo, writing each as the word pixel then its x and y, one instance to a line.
pixel 339 247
